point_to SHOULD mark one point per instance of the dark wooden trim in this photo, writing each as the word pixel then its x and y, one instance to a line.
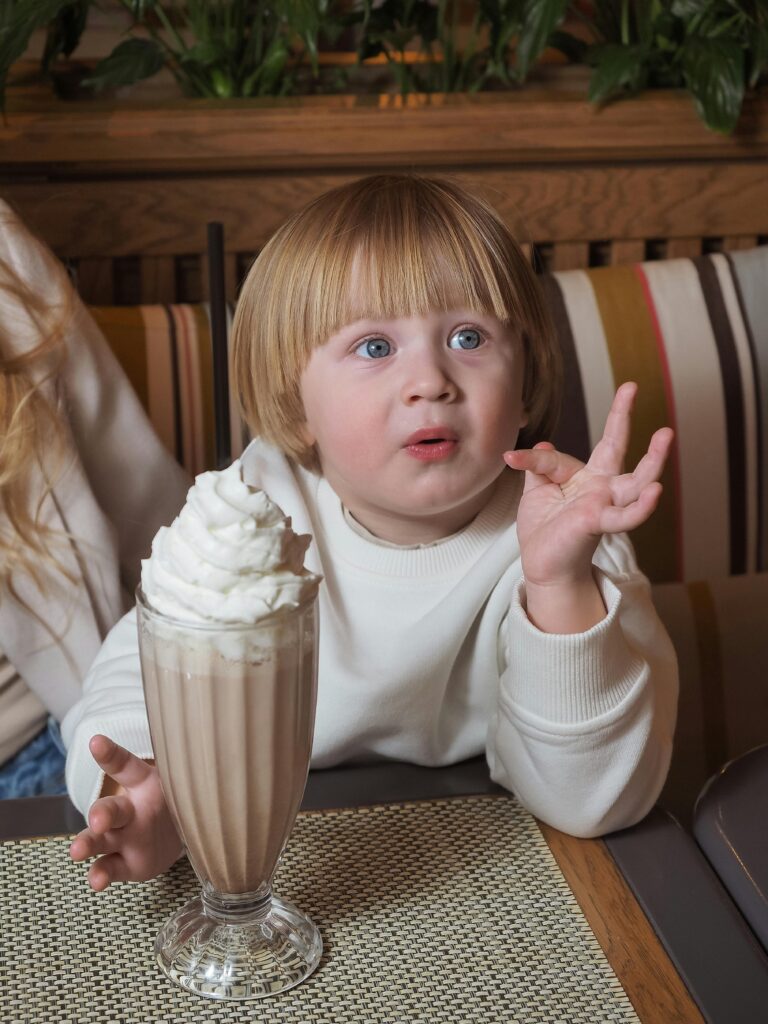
pixel 549 125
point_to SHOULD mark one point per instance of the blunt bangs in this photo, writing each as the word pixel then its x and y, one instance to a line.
pixel 406 251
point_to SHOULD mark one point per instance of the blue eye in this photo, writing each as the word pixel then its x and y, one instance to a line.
pixel 374 348
pixel 466 338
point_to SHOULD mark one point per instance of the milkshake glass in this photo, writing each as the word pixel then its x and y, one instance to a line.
pixel 231 713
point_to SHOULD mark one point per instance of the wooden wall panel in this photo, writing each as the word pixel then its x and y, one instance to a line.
pixel 627 250
pixel 95 281
pixel 158 279
pixel 167 217
pixel 732 243
pixel 570 255
pixel 682 247
pixel 544 124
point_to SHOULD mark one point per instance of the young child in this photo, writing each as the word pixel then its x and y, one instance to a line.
pixel 389 344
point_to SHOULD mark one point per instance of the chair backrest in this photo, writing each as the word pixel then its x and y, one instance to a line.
pixel 692 332
pixel 166 353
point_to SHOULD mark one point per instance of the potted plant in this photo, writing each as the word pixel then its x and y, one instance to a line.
pixel 717 50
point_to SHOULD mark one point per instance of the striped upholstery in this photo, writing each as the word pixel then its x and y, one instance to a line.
pixel 166 354
pixel 694 334
pixel 719 631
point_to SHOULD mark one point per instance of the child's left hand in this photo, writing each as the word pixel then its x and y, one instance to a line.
pixel 566 505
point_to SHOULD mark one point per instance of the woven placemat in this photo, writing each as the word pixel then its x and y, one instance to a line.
pixel 435 911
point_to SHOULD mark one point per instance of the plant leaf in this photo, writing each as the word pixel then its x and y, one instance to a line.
pixel 759 55
pixel 263 80
pixel 686 8
pixel 64 32
pixel 15 32
pixel 714 72
pixel 205 52
pixel 129 62
pixel 571 46
pixel 618 69
pixel 540 18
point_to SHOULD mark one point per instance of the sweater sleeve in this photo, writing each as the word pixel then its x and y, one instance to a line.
pixel 112 704
pixel 582 731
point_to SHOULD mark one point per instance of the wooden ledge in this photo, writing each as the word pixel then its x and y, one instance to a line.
pixel 534 125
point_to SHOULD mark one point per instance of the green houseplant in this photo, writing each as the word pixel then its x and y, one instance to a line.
pixel 716 49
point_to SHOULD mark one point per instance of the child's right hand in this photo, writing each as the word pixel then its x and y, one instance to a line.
pixel 131 833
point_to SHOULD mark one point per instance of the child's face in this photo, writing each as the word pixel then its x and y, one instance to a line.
pixel 378 392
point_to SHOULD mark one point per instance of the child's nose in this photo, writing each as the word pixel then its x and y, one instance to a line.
pixel 427 380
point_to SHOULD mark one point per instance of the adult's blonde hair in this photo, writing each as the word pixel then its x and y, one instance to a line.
pixel 417 243
pixel 31 428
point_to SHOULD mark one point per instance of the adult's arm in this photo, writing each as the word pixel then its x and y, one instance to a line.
pixel 112 704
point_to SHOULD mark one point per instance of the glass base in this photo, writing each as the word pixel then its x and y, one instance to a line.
pixel 239 957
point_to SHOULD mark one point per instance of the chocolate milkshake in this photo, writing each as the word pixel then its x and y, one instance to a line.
pixel 227 636
pixel 232 738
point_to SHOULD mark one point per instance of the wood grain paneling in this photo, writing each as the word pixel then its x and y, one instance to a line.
pixel 570 255
pixel 158 279
pixel 732 243
pixel 167 217
pixel 231 283
pixel 369 131
pixel 682 247
pixel 95 281
pixel 627 250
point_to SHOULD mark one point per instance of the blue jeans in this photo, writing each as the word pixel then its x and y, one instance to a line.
pixel 38 768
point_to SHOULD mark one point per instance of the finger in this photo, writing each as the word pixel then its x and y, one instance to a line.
pixel 553 466
pixel 628 487
pixel 123 766
pixel 609 452
pixel 80 847
pixel 622 520
pixel 111 812
pixel 88 844
pixel 106 870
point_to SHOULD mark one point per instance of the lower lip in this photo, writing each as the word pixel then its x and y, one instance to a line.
pixel 432 452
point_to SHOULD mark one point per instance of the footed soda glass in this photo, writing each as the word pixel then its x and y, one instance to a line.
pixel 231 713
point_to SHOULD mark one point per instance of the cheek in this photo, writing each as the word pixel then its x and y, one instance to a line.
pixel 502 418
pixel 346 431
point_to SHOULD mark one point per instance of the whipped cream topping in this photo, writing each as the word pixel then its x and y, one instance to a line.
pixel 230 556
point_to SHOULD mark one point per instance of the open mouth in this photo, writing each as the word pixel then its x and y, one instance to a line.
pixel 430 447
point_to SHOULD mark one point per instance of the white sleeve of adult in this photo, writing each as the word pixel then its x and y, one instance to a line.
pixel 582 732
pixel 112 704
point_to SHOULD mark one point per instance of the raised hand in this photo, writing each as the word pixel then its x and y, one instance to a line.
pixel 567 506
pixel 131 833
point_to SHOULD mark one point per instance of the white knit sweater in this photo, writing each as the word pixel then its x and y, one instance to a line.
pixel 427 656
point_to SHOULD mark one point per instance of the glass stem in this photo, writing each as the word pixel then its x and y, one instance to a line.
pixel 238 908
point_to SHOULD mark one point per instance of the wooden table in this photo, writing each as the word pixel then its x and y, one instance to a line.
pixel 679 947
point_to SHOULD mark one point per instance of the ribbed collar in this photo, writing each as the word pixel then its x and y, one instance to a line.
pixel 440 559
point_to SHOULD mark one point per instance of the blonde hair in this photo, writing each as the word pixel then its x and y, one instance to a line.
pixel 31 429
pixel 416 244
